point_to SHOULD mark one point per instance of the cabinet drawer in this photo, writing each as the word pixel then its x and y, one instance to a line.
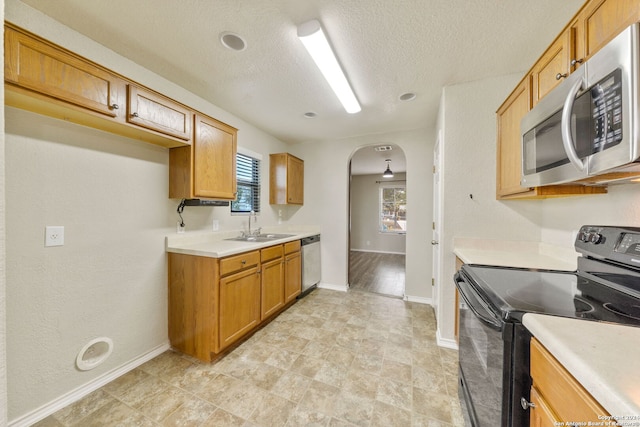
pixel 270 253
pixel 239 262
pixel 566 397
pixel 291 247
pixel 153 111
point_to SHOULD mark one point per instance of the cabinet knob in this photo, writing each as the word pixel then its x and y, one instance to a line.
pixel 561 76
pixel 526 404
pixel 134 114
pixel 243 262
pixel 114 106
pixel 576 61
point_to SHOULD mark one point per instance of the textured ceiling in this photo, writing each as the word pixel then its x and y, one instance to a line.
pixel 386 47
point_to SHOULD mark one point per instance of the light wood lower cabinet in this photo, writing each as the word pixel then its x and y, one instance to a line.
pixel 292 270
pixel 239 305
pixel 272 280
pixel 216 302
pixel 556 395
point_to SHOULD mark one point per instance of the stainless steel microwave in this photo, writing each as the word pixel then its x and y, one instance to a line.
pixel 588 124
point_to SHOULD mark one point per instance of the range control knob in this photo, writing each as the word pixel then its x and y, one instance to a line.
pixel 595 238
pixel 584 236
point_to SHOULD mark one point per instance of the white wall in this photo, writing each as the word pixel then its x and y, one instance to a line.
pixel 110 193
pixel 561 218
pixel 468 123
pixel 329 206
pixel 109 278
pixel 365 216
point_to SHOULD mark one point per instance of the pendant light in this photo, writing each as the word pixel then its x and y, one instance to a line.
pixel 387 173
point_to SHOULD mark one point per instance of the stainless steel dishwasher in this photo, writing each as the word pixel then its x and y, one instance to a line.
pixel 310 263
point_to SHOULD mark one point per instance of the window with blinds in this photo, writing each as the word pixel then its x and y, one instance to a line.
pixel 248 177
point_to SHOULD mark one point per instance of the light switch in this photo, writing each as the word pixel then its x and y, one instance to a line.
pixel 54 235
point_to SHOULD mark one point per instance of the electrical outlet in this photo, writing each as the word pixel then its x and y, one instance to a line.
pixel 54 235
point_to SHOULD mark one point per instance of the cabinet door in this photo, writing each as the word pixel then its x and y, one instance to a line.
pixel 214 159
pixel 272 287
pixel 564 395
pixel 292 276
pixel 239 305
pixel 295 180
pixel 541 415
pixel 509 150
pixel 602 20
pixel 551 68
pixel 155 112
pixel 54 72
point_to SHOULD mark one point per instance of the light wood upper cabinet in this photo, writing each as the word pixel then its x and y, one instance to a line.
pixel 47 79
pixel 558 396
pixel 595 24
pixel 551 68
pixel 156 112
pixel 509 149
pixel 601 20
pixel 207 168
pixel 38 66
pixel 286 179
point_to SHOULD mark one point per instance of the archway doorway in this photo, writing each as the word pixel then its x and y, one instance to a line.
pixel 377 220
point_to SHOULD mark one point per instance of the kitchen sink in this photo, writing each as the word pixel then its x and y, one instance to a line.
pixel 267 237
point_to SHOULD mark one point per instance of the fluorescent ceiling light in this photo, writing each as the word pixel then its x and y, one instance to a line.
pixel 313 38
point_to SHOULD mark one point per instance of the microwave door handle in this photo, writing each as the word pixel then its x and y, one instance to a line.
pixel 567 139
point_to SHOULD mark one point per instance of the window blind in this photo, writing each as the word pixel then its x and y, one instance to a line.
pixel 248 179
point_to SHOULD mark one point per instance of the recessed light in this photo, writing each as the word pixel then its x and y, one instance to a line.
pixel 232 41
pixel 310 115
pixel 409 96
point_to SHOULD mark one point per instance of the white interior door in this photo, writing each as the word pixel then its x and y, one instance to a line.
pixel 436 226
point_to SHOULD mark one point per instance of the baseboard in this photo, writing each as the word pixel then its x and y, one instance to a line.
pixel 420 300
pixel 445 342
pixel 66 399
pixel 331 286
pixel 378 252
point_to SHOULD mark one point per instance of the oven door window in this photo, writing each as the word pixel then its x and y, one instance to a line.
pixel 481 353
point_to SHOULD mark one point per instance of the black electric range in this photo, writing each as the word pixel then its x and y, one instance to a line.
pixel 494 346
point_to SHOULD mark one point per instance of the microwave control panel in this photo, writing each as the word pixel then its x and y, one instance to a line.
pixel 606 109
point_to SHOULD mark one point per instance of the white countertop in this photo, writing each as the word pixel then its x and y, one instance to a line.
pixel 603 357
pixel 511 253
pixel 213 244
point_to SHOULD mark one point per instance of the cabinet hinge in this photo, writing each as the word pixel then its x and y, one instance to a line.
pixel 433 281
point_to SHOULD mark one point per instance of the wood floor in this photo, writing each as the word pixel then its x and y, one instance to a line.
pixel 378 273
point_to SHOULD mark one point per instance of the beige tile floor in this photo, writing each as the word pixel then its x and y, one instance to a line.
pixel 332 359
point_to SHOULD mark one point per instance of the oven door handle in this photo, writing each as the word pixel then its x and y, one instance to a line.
pixel 476 305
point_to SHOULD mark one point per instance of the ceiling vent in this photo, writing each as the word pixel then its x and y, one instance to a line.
pixel 383 148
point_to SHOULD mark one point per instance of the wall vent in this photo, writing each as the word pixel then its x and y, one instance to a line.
pixel 383 148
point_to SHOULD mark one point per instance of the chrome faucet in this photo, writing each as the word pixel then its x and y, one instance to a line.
pixel 255 219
